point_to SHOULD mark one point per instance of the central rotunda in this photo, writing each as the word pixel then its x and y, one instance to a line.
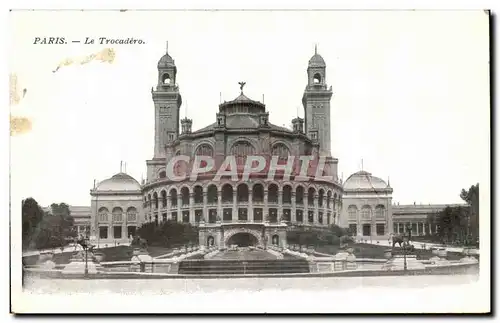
pixel 237 211
pixel 244 212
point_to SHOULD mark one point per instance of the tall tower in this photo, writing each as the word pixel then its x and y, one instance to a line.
pixel 316 102
pixel 167 100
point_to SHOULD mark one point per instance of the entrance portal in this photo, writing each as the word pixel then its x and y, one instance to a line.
pixel 242 239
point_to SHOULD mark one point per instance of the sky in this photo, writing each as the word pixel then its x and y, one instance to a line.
pixel 410 91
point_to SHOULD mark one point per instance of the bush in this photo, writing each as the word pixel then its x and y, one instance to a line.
pixel 169 233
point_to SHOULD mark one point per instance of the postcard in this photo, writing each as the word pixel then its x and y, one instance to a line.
pixel 250 161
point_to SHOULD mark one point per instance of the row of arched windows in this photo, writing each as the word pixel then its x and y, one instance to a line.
pixel 242 193
pixel 366 212
pixel 117 214
pixel 242 149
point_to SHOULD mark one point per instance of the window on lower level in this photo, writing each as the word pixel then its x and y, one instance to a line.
pixel 227 215
pixel 242 215
pixel 299 215
pixel 380 229
pixel 257 215
pixel 310 216
pixel 353 230
pixel 212 216
pixel 103 232
pixel 198 214
pixel 117 232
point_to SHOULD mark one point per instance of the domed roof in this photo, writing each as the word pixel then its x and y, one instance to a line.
pixel 166 61
pixel 317 61
pixel 242 100
pixel 364 180
pixel 119 182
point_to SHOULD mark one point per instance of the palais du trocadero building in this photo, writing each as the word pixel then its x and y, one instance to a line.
pixel 256 211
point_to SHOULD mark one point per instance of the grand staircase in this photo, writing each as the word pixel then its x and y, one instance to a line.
pixel 243 267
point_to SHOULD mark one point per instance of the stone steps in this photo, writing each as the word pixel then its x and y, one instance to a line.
pixel 243 267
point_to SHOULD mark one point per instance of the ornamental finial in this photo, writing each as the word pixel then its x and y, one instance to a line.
pixel 242 84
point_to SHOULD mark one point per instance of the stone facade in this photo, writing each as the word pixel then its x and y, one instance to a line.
pixel 259 208
pixel 367 206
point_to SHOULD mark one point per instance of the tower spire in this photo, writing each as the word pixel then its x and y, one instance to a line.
pixel 315 49
pixel 167 47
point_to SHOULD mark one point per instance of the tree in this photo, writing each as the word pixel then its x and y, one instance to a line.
pixel 471 197
pixel 338 231
pixel 32 216
pixel 63 222
pixel 452 224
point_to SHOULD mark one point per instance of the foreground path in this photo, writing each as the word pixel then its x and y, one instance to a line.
pixel 167 286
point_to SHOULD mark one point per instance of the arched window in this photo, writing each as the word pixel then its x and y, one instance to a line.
pixel 310 196
pixel 163 198
pixel 185 195
pixel 132 214
pixel 366 212
pixel 258 193
pixel 328 199
pixel 150 201
pixel 299 195
pixel 352 210
pixel 317 78
pixel 242 193
pixel 165 79
pixel 227 193
pixel 103 214
pixel 380 212
pixel 272 193
pixel 212 194
pixel 198 194
pixel 281 151
pixel 240 150
pixel 155 198
pixel 117 214
pixel 321 195
pixel 204 150
pixel 162 174
pixel 173 197
pixel 287 194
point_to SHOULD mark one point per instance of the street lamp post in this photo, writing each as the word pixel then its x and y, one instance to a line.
pixel 86 248
pixel 84 243
pixel 405 245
